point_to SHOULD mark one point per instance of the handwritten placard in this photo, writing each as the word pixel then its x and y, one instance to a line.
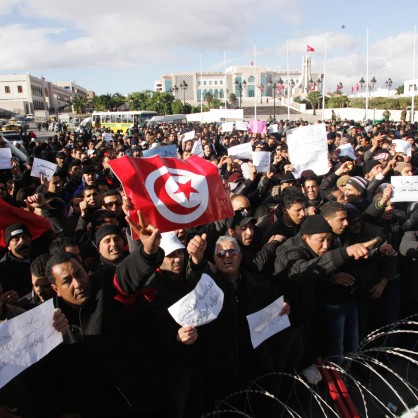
pixel 346 150
pixel 267 322
pixel 43 167
pixel 197 148
pixel 5 158
pixel 166 151
pixel 25 339
pixel 308 149
pixel 273 129
pixel 199 307
pixel 227 126
pixel 241 125
pixel 402 146
pixel 241 151
pixel 261 160
pixel 405 188
pixel 189 136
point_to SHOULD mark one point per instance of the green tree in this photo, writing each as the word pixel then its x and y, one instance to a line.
pixel 338 101
pixel 313 98
pixel 232 98
pixel 208 97
pixel 177 106
pixel 400 90
pixel 79 104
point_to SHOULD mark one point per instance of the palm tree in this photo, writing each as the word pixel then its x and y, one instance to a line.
pixel 313 98
pixel 79 104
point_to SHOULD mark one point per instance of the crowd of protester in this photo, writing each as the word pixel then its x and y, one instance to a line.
pixel 335 246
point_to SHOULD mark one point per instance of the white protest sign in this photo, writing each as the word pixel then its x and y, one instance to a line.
pixel 245 168
pixel 308 149
pixel 107 137
pixel 405 188
pixel 241 125
pixel 165 151
pixel 261 160
pixel 273 129
pixel 44 167
pixel 197 148
pixel 199 307
pixel 5 158
pixel 346 150
pixel 267 322
pixel 25 339
pixel 241 151
pixel 189 136
pixel 402 146
pixel 227 126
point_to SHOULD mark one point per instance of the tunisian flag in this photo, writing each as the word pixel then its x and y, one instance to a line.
pixel 12 215
pixel 309 49
pixel 171 193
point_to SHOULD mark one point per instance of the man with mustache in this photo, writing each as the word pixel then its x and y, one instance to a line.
pixel 15 276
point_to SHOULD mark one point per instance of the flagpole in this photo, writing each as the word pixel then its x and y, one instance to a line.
pixel 201 97
pixel 323 80
pixel 367 73
pixel 413 83
pixel 225 79
pixel 255 81
pixel 288 83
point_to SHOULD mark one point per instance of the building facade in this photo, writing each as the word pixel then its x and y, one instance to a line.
pixel 246 82
pixel 22 94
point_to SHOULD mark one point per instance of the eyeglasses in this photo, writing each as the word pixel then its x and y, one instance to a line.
pixel 230 253
pixel 110 204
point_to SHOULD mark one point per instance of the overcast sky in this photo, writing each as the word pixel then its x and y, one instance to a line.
pixel 125 45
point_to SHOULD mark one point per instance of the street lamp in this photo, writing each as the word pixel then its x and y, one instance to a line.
pixel 183 86
pixel 174 90
pixel 362 83
pixel 388 83
pixel 373 81
pixel 261 87
pixel 240 86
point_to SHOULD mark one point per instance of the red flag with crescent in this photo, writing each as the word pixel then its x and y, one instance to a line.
pixel 12 215
pixel 172 193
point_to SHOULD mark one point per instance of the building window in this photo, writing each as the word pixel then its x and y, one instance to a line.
pixel 210 82
pixel 7 89
pixel 251 79
pixel 204 83
pixel 19 89
pixel 216 82
pixel 198 83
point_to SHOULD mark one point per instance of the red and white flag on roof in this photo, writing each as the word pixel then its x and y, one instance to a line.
pixel 172 193
pixel 309 49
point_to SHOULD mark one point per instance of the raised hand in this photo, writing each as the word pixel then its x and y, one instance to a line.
pixel 196 248
pixel 148 234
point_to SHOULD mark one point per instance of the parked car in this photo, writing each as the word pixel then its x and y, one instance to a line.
pixel 11 127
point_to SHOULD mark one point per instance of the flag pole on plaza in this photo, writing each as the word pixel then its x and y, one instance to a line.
pixel 225 98
pixel 288 82
pixel 413 83
pixel 255 81
pixel 367 74
pixel 201 96
pixel 323 79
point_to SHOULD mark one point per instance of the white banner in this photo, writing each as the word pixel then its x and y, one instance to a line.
pixel 267 322
pixel 308 149
pixel 25 339
pixel 346 150
pixel 261 160
pixel 197 148
pixel 227 126
pixel 189 135
pixel 241 125
pixel 166 151
pixel 402 146
pixel 199 307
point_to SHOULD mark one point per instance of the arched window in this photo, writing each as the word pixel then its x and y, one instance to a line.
pixel 251 79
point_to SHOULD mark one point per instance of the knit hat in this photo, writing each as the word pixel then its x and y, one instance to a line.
pixel 359 183
pixel 107 229
pixel 401 166
pixel 236 177
pixel 342 180
pixel 288 178
pixel 369 165
pixel 240 218
pixel 315 224
pixel 170 243
pixel 13 230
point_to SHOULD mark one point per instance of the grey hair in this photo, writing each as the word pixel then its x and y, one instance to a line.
pixel 227 238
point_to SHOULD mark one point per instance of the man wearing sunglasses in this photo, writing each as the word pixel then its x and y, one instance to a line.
pixel 234 359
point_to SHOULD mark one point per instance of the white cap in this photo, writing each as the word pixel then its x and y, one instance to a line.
pixel 170 243
pixel 154 145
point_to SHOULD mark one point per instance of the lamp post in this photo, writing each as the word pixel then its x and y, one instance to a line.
pixel 183 86
pixel 261 87
pixel 373 81
pixel 240 86
pixel 362 83
pixel 174 90
pixel 388 83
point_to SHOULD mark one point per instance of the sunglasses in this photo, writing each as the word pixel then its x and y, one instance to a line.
pixel 230 253
pixel 110 204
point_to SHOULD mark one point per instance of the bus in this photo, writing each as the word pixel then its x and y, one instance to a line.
pixel 122 120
